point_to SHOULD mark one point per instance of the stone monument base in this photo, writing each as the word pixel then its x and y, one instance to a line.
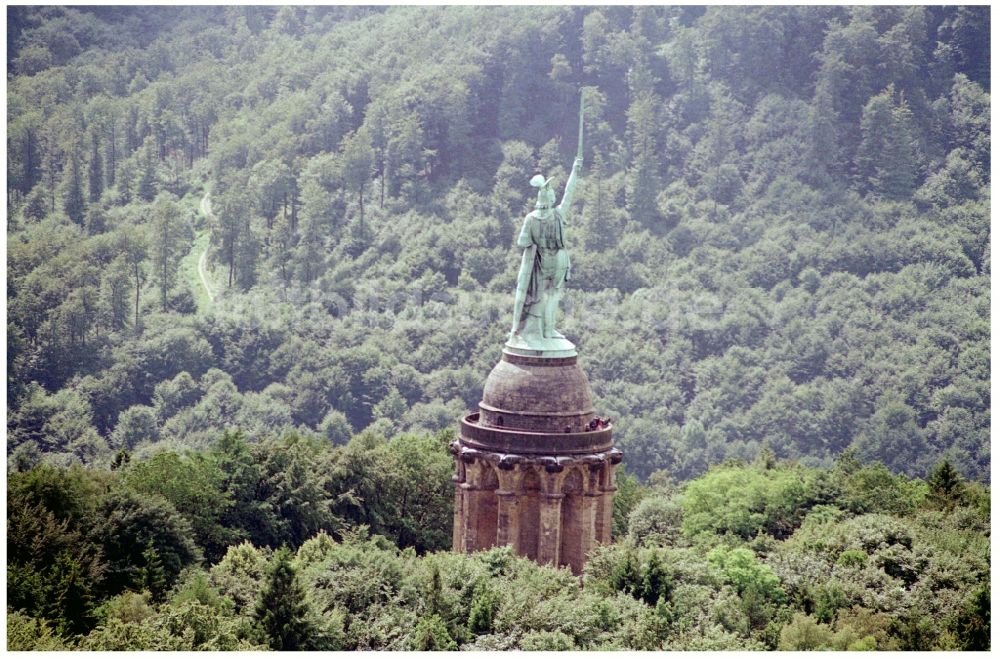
pixel 538 347
pixel 535 467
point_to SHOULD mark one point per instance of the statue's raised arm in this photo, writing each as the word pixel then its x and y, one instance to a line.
pixel 567 199
pixel 544 270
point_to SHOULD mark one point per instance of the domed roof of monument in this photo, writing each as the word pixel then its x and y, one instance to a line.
pixel 546 395
pixel 520 387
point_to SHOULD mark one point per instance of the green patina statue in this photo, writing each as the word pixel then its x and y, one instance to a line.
pixel 545 269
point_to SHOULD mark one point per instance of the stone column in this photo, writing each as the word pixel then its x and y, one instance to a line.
pixel 508 514
pixel 606 506
pixel 588 513
pixel 472 494
pixel 457 525
pixel 550 528
pixel 508 521
pixel 458 478
pixel 470 520
pixel 590 504
pixel 550 516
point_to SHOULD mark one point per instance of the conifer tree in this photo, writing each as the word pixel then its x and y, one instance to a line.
pixel 973 620
pixel 282 611
pixel 152 576
pixel 484 606
pixel 655 583
pixel 886 159
pixel 643 181
pixel 625 575
pixel 68 595
pixel 434 594
pixel 357 158
pixel 432 634
pixel 74 204
pixel 167 239
pixel 147 179
pixel 95 180
pixel 946 484
pixel 662 618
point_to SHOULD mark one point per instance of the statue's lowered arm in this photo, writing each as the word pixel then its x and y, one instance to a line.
pixel 521 292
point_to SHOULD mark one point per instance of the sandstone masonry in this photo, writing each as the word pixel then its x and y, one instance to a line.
pixel 533 469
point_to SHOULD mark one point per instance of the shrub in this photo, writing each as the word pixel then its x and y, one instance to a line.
pixel 746 501
pixel 805 633
pixel 27 633
pixel 546 641
pixel 432 634
pixel 853 558
pixel 656 520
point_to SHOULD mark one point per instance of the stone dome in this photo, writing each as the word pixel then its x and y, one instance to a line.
pixel 536 394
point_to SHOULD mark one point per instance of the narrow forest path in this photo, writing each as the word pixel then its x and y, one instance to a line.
pixel 194 265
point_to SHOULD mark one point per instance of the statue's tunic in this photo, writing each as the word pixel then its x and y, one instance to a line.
pixel 544 230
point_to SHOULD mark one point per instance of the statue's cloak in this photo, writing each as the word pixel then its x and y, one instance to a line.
pixel 544 230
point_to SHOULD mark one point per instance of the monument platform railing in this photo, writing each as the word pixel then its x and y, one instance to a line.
pixel 512 440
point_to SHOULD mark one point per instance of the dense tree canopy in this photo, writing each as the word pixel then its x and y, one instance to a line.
pixel 769 554
pixel 784 223
pixel 259 258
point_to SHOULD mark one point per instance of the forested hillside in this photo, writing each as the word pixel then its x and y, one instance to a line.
pixel 782 236
pixel 260 261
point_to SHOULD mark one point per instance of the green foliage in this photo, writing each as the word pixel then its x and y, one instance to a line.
pixel 281 610
pixel 945 485
pixel 746 574
pixel 804 633
pixel 655 581
pixel 852 558
pixel 54 569
pixel 74 203
pixel 484 605
pixel 629 494
pixel 239 574
pixel 193 485
pixel 403 486
pixel 892 435
pixel 972 621
pixel 657 520
pixel 139 536
pixel 128 607
pixel 152 578
pixel 625 576
pixel 432 635
pixel 746 501
pixel 25 633
pixel 873 487
pixel 135 426
pixel 781 250
pixel 547 642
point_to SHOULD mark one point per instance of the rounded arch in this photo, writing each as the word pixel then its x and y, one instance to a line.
pixel 573 483
pixel 530 480
pixel 488 476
